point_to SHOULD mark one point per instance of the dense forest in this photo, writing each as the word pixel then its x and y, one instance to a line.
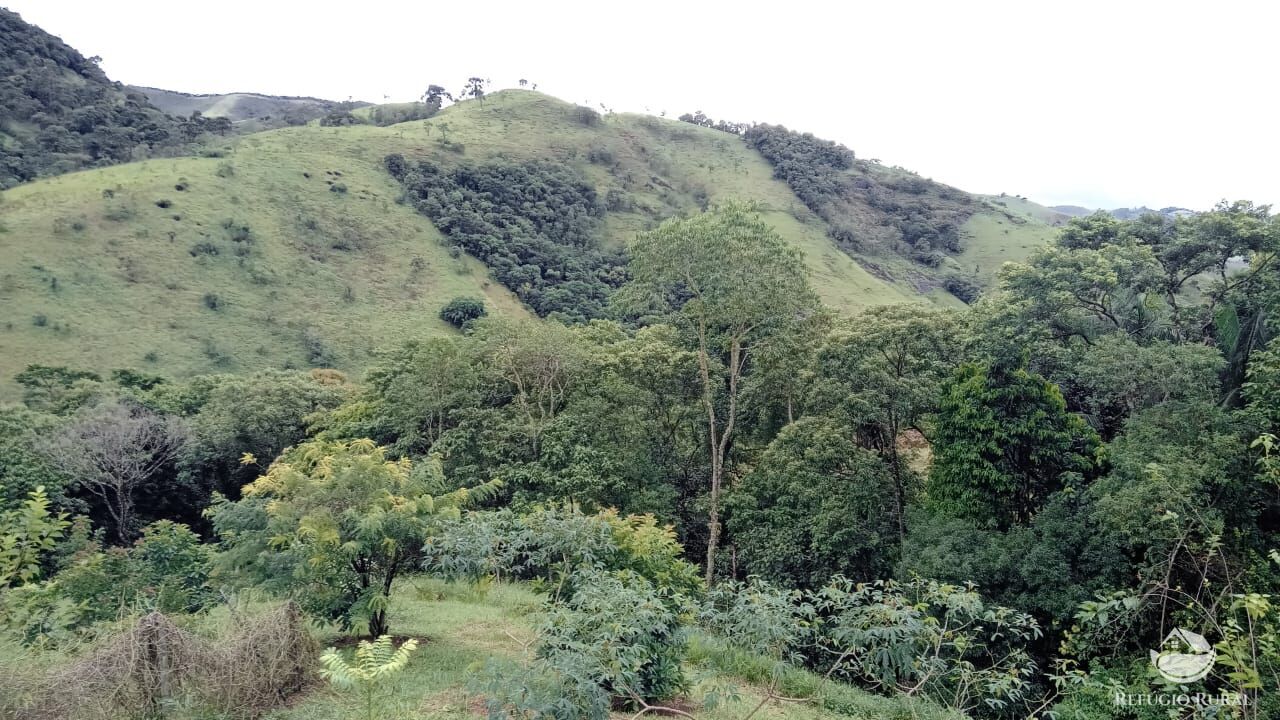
pixel 997 511
pixel 533 224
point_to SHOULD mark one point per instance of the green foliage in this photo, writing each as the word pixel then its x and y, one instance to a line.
pixel 27 534
pixel 615 639
pixel 342 522
pixel 732 284
pixel 550 545
pixel 924 217
pixel 815 505
pixel 940 640
pixel 170 567
pixel 258 414
pixel 533 224
pixel 1003 443
pixel 376 663
pixel 23 468
pixel 460 311
pixel 166 570
pixel 56 389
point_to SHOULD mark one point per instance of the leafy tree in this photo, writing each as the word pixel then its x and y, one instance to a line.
pixel 56 389
pixel 882 374
pixel 815 505
pixel 475 88
pixel 414 397
pixel 259 414
pixel 616 640
pixel 23 467
pixel 344 520
pixel 726 278
pixel 1003 442
pixel 462 310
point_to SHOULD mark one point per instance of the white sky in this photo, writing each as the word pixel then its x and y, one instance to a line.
pixel 1093 103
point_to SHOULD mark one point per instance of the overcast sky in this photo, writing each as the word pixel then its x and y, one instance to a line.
pixel 1102 104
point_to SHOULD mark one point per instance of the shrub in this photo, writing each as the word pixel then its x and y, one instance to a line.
pixel 962 286
pixel 212 301
pixel 462 310
pixel 615 640
pixel 375 663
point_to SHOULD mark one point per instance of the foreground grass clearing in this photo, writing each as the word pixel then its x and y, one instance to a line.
pixel 458 628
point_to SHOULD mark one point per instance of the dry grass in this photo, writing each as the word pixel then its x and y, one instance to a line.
pixel 156 664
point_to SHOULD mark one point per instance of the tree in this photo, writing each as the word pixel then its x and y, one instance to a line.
pixel 815 505
pixel 1003 442
pixel 730 281
pixel 56 389
pixel 344 520
pixel 435 96
pixel 474 89
pixel 462 310
pixel 112 451
pixel 881 373
pixel 260 414
pixel 375 663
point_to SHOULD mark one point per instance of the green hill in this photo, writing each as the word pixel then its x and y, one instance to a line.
pixel 248 111
pixel 290 248
pixel 59 112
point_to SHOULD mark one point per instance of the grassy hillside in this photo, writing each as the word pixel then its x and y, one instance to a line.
pixel 1008 230
pixel 247 110
pixel 255 262
pixel 291 250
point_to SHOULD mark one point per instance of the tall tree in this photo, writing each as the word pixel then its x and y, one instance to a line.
pixel 733 285
pixel 1003 443
pixel 882 372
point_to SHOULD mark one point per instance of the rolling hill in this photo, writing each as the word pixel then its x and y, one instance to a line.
pixel 248 111
pixel 289 248
pixel 299 246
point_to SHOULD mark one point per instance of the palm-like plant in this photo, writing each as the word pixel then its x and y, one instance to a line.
pixel 374 663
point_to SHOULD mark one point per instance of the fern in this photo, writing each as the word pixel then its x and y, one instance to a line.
pixel 373 664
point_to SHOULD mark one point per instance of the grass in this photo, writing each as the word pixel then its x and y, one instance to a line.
pixel 1009 230
pixel 460 629
pixel 298 234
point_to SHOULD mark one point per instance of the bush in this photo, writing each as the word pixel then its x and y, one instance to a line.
pixel 615 640
pixel 462 310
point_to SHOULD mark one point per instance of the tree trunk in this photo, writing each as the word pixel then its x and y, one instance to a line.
pixel 378 624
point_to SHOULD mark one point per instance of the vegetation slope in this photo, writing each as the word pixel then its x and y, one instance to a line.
pixel 289 248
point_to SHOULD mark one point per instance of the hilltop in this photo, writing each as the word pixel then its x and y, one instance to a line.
pixel 248 111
